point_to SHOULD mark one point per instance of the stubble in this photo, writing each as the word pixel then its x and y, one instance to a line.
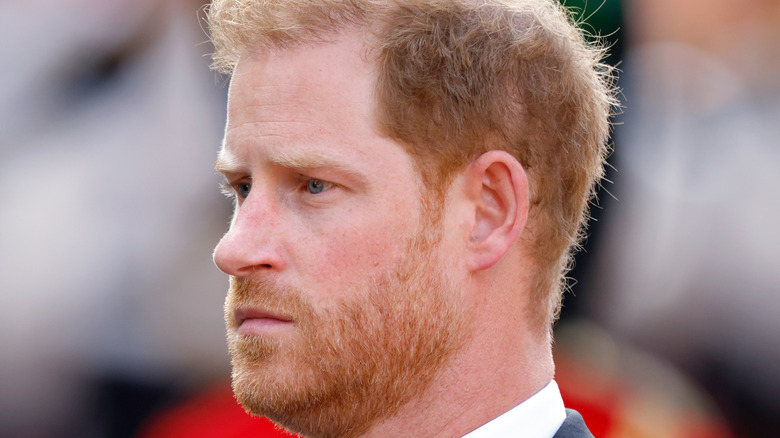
pixel 356 363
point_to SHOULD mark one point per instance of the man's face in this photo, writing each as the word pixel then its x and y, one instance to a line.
pixel 339 309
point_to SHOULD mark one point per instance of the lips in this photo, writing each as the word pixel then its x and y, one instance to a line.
pixel 257 321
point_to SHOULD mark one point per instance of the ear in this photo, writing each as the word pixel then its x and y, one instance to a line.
pixel 497 189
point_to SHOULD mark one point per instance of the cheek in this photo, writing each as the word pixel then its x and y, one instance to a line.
pixel 357 250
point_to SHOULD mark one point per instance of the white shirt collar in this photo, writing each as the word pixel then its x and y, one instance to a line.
pixel 538 417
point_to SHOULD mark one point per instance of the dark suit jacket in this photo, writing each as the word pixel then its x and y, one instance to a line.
pixel 573 426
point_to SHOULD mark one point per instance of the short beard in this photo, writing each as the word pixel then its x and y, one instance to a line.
pixel 356 364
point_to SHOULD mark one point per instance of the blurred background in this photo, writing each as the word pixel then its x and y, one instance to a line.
pixel 111 320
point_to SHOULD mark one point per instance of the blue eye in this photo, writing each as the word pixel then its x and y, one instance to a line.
pixel 315 186
pixel 243 189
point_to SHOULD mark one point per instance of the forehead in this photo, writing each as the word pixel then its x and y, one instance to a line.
pixel 313 96
pixel 331 71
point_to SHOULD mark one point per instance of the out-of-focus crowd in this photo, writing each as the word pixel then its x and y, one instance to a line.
pixel 110 122
pixel 109 210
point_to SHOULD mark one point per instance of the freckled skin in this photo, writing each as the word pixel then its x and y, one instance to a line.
pixel 306 113
pixel 286 102
pixel 364 300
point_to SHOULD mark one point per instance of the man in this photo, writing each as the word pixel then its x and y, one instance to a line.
pixel 409 178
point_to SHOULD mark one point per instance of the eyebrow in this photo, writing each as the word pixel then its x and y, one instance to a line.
pixel 227 163
pixel 309 160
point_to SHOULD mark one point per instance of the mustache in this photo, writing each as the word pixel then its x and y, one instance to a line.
pixel 267 296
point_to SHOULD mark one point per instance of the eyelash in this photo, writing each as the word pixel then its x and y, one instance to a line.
pixel 227 190
pixel 231 192
pixel 304 182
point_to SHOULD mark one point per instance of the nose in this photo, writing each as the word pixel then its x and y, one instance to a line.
pixel 250 246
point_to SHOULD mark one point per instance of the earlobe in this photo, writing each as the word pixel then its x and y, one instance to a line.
pixel 498 189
